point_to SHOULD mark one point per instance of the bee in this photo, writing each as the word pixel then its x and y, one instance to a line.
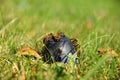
pixel 47 38
pixel 59 35
pixel 52 51
pixel 77 46
pixel 75 42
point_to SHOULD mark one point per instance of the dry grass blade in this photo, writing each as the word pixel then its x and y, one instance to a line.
pixel 15 68
pixel 22 76
pixel 0 48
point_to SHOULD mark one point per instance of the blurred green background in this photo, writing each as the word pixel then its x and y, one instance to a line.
pixel 101 13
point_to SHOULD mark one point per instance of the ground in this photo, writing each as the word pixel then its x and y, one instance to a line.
pixel 95 23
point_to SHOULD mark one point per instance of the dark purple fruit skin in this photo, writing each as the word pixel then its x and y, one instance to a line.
pixel 59 50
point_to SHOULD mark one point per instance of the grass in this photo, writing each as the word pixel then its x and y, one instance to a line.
pixel 96 24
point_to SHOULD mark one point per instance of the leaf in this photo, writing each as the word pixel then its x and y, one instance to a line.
pixel 27 51
pixel 15 68
pixel 108 51
pixel 114 53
